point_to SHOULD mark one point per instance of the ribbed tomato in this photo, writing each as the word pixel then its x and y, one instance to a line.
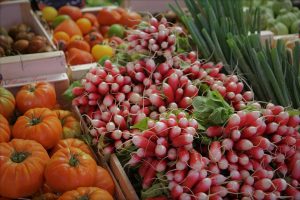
pixel 104 180
pixel 36 95
pixel 39 124
pixel 7 103
pixel 22 164
pixel 71 126
pixel 70 168
pixel 86 193
pixel 4 129
pixel 72 142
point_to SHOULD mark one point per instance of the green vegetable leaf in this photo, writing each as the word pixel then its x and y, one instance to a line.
pixel 68 95
pixel 141 125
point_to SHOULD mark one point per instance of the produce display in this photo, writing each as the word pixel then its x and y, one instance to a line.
pixel 40 158
pixel 185 130
pixel 20 39
pixel 88 37
pixel 188 104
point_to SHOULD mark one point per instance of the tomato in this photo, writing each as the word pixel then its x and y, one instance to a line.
pixel 99 51
pixel 7 103
pixel 70 168
pixel 72 11
pixel 84 24
pixel 49 13
pixel 108 17
pixel 79 44
pixel 104 180
pixel 68 26
pixel 130 19
pixel 4 129
pixel 92 19
pixel 71 126
pixel 77 57
pixel 39 124
pixel 72 142
pixel 34 95
pixel 90 193
pixel 93 38
pixel 22 164
pixel 60 35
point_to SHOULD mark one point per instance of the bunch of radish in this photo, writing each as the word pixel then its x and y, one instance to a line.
pixel 254 155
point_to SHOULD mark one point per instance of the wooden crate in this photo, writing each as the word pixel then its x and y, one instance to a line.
pixel 119 192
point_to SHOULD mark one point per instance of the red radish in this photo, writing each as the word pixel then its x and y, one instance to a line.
pixel 213 168
pixel 215 151
pixel 168 92
pixel 223 163
pixel 279 184
pixel 110 126
pixel 247 190
pixel 195 160
pixel 243 145
pixel 77 91
pixel 178 95
pixel 97 123
pixel 182 140
pixel 233 186
pixel 271 127
pixel 176 191
pixel 235 175
pixel 183 154
pixel 249 132
pixel 282 118
pixel 160 151
pixel 180 165
pixel 193 123
pixel 227 144
pixel 125 89
pixel 183 122
pixel 134 160
pixel 217 179
pixel 256 153
pixel 190 91
pixel 150 175
pixel 161 166
pixel 108 100
pixel 156 100
pixel 235 135
pixel 170 176
pixel 185 196
pixel 190 180
pixel 259 194
pixel 261 142
pixel 161 129
pixel 232 157
pixel 116 134
pixel 185 102
pixel 120 121
pixel 263 184
pixel 163 68
pixel 202 174
pixel 294 121
pixel 173 81
pixel 249 180
pixel 214 131
pixel 202 186
pixel 234 121
pixel 179 175
pixel 220 190
pixel 144 153
pixel 293 192
pixel 172 154
pixel 143 142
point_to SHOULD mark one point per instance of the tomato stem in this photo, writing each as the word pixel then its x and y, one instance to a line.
pixel 31 88
pixel 35 121
pixel 19 157
pixel 84 197
pixel 73 160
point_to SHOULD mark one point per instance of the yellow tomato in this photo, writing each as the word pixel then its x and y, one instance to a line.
pixel 99 51
pixel 84 24
pixel 60 35
pixel 49 13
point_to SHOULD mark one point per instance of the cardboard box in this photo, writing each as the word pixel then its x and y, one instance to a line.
pixel 153 6
pixel 77 72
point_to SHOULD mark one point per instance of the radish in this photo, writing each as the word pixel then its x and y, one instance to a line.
pixel 279 184
pixel 179 175
pixel 176 191
pixel 173 81
pixel 232 157
pixel 161 129
pixel 235 175
pixel 217 179
pixel 150 175
pixel 259 194
pixel 190 180
pixel 180 165
pixel 214 131
pixel 261 142
pixel 156 100
pixel 243 145
pixel 161 166
pixel 160 151
pixel 182 140
pixel 263 184
pixel 178 95
pixel 233 186
pixel 183 154
pixel 143 142
pixel 185 196
pixel 247 190
pixel 168 92
pixel 202 186
pixel 134 160
pixel 195 160
pixel 220 190
pixel 227 144
pixel 256 153
pixel 293 192
pixel 215 151
pixel 249 180
pixel 172 154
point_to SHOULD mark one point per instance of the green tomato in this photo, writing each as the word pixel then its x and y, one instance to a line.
pixel 59 19
pixel 116 30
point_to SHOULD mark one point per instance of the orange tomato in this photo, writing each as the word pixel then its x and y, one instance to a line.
pixel 92 18
pixel 108 17
pixel 84 24
pixel 76 37
pixel 104 180
pixel 77 57
pixel 60 35
pixel 130 19
pixel 79 44
pixel 68 26
pixel 104 30
pixel 93 38
pixel 72 11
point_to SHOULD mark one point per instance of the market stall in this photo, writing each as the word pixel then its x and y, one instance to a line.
pixel 176 100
